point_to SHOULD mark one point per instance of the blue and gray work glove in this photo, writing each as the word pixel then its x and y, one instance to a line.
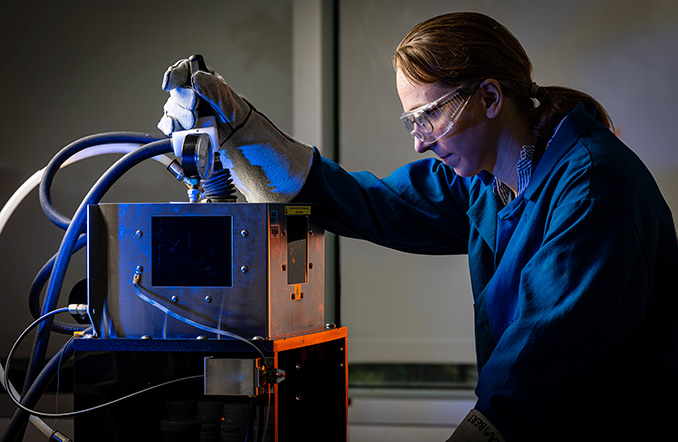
pixel 266 164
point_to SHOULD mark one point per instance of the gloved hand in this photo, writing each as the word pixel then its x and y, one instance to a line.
pixel 266 164
pixel 476 428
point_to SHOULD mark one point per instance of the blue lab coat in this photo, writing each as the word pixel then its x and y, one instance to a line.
pixel 574 281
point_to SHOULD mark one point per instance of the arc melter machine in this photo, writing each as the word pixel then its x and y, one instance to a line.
pixel 202 321
pixel 230 291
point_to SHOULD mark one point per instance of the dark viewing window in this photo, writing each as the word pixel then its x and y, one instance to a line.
pixel 192 251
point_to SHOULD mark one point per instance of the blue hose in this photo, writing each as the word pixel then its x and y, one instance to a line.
pixel 73 231
pixel 64 154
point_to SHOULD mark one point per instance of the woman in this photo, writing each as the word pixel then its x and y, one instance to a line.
pixel 571 246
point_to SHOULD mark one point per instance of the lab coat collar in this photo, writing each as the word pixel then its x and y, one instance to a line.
pixel 486 177
pixel 485 210
pixel 572 127
pixel 483 215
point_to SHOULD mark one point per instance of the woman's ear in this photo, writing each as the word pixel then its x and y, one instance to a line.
pixel 492 97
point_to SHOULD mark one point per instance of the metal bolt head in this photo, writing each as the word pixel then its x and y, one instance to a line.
pixel 244 233
pixel 174 299
pixel 139 233
pixel 244 269
pixel 208 299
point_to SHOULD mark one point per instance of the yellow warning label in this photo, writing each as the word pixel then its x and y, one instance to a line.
pixel 297 210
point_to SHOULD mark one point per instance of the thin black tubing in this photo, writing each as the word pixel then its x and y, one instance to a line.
pixel 17 424
pixel 48 372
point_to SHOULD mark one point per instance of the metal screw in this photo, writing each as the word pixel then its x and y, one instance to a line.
pixel 139 233
pixel 244 233
pixel 284 267
pixel 310 265
pixel 139 269
pixel 208 299
pixel 174 299
pixel 244 269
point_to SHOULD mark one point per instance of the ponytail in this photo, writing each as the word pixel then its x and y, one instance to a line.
pixel 554 103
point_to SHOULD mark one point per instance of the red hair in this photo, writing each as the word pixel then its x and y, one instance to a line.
pixel 462 48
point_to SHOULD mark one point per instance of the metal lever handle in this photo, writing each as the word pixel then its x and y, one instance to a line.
pixel 197 63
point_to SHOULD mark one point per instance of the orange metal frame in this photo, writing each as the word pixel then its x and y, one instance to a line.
pixel 305 341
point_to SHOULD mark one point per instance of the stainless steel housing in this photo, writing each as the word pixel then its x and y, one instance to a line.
pixel 249 269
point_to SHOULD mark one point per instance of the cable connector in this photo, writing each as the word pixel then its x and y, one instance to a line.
pixel 136 279
pixel 270 374
pixel 77 309
pixel 176 170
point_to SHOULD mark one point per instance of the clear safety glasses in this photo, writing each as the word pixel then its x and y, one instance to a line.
pixel 434 120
